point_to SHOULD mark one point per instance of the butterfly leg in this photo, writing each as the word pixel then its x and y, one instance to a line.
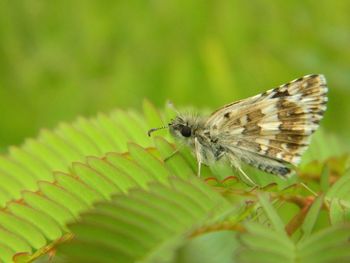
pixel 246 176
pixel 198 156
pixel 199 169
pixel 235 163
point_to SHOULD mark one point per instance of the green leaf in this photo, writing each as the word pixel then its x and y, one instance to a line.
pixel 51 199
pixel 323 146
pixel 93 179
pixel 152 115
pixel 324 181
pixel 174 160
pixel 134 128
pixel 338 199
pixel 139 174
pixel 261 244
pixel 23 229
pixel 120 180
pixel 48 207
pixel 271 213
pixel 311 217
pixel 146 225
pixel 14 242
pixel 6 253
pixel 46 224
pixel 83 191
pixel 149 162
pixel 328 245
pixel 216 247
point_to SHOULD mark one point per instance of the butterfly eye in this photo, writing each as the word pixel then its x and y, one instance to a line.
pixel 185 131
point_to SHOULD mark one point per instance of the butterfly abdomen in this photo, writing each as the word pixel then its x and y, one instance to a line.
pixel 277 170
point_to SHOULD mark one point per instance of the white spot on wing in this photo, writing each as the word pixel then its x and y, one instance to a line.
pixel 296 160
pixel 270 125
pixel 279 155
pixel 268 109
pixel 243 120
pixel 271 118
pixel 237 131
pixel 322 79
pixel 262 141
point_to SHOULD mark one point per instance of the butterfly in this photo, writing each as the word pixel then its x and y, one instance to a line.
pixel 269 131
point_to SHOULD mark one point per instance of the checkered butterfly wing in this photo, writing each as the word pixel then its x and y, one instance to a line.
pixel 272 129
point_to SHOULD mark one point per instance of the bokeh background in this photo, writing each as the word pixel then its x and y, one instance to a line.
pixel 60 59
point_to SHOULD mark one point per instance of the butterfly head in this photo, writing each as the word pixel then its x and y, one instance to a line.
pixel 180 127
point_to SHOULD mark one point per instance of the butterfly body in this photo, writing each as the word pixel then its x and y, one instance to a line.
pixel 269 131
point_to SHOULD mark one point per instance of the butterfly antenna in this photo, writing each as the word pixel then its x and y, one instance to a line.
pixel 155 129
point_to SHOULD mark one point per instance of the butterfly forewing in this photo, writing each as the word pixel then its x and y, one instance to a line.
pixel 273 128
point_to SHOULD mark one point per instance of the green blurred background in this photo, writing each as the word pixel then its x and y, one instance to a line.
pixel 60 59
